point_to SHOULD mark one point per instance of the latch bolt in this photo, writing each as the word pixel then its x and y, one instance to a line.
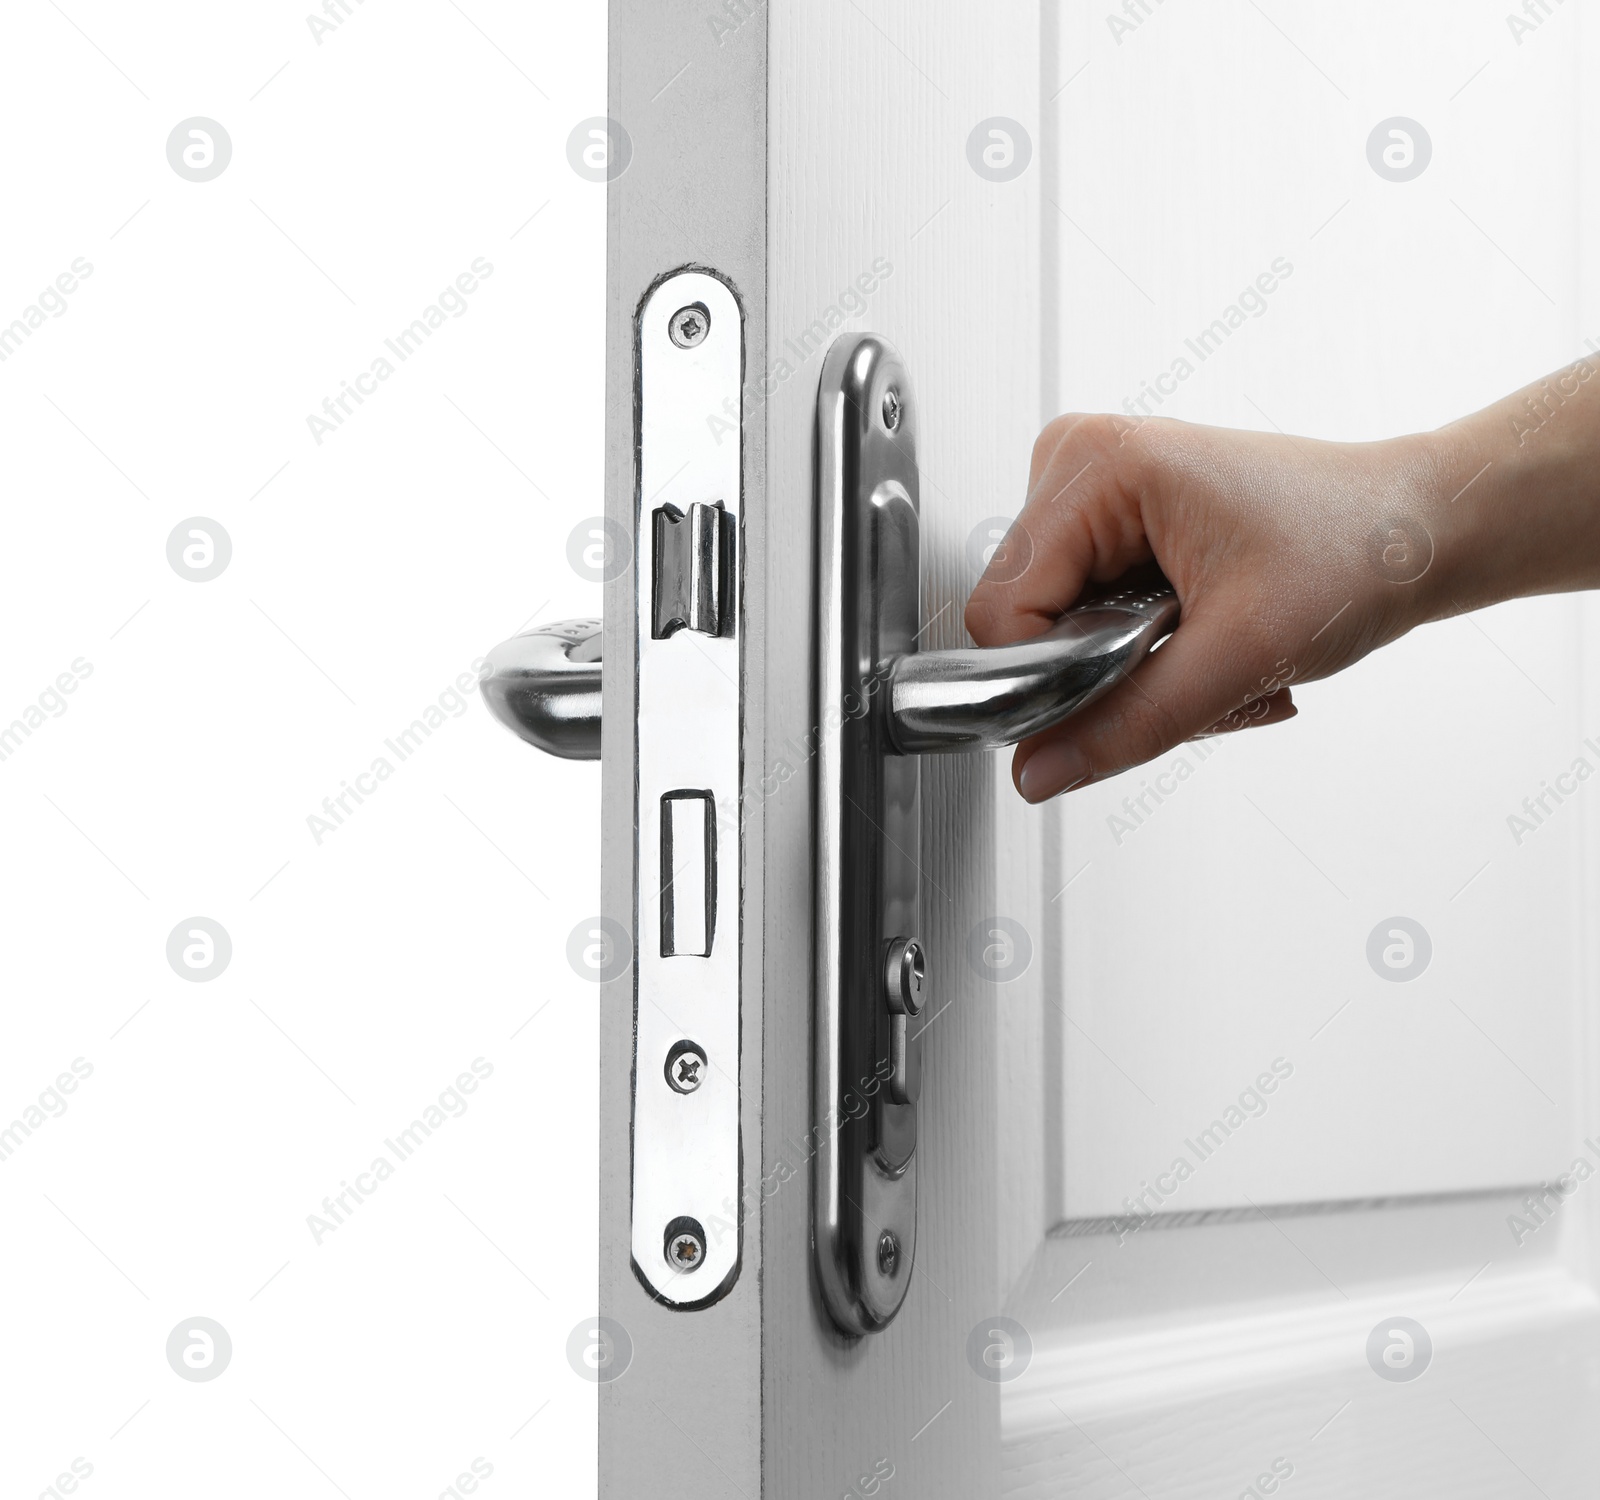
pixel 693 552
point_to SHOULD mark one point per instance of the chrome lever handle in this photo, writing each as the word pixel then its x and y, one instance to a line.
pixel 544 686
pixel 885 705
pixel 982 699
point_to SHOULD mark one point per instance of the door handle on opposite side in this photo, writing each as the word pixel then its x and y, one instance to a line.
pixel 544 686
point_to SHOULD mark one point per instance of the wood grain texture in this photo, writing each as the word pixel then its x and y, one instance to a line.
pixel 871 108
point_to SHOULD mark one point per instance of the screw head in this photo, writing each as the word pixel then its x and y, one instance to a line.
pixel 891 408
pixel 888 1253
pixel 686 1067
pixel 685 1245
pixel 690 325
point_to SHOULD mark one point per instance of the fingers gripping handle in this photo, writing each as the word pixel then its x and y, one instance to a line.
pixel 981 699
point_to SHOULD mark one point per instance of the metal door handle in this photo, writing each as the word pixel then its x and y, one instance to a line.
pixel 987 697
pixel 544 685
pixel 880 704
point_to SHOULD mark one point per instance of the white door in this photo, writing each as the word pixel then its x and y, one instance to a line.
pixel 1337 933
pixel 1317 967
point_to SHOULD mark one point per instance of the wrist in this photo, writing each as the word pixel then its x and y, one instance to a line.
pixel 1510 496
pixel 1423 551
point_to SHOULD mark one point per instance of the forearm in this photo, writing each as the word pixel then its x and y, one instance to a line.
pixel 1515 496
pixel 1292 559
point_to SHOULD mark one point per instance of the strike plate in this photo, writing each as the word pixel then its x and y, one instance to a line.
pixel 686 1218
pixel 867 1065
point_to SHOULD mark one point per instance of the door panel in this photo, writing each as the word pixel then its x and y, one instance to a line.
pixel 1188 1361
pixel 1262 874
pixel 1261 866
pixel 1191 1329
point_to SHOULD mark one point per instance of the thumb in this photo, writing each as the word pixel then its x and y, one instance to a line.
pixel 1201 680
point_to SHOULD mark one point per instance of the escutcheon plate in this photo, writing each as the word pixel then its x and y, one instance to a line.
pixel 868 833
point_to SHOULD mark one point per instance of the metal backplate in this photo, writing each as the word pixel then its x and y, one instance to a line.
pixel 686 1232
pixel 868 833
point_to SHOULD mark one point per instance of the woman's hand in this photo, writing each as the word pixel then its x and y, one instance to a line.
pixel 1292 559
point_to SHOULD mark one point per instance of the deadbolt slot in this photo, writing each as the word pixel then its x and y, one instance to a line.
pixel 688 873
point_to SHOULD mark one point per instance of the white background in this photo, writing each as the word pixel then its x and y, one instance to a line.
pixel 367 574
